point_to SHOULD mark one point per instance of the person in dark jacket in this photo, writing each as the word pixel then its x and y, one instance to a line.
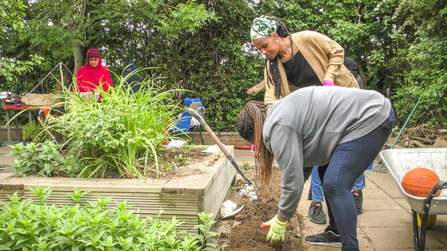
pixel 133 80
pixel 352 67
pixel 316 213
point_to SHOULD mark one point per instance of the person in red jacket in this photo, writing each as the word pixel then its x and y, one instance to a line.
pixel 93 75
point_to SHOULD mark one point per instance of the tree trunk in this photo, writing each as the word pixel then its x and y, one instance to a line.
pixel 362 73
pixel 68 78
pixel 77 52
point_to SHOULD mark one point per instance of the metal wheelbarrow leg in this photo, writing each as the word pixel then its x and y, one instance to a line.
pixel 419 240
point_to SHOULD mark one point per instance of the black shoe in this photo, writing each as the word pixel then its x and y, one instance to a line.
pixel 358 199
pixel 316 214
pixel 327 238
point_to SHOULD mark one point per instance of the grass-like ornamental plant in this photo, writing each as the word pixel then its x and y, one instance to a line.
pixel 28 225
pixel 122 134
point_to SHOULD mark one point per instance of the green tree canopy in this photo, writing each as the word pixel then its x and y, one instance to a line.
pixel 11 14
pixel 204 46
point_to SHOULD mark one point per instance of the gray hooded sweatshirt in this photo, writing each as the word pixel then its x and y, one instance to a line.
pixel 304 128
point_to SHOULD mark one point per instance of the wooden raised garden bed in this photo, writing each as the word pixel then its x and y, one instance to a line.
pixel 184 196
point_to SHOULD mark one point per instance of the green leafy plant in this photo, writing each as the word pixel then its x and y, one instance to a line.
pixel 27 225
pixel 31 131
pixel 246 165
pixel 169 166
pixel 42 193
pixel 121 134
pixel 396 44
pixel 205 234
pixel 187 161
pixel 77 195
pixel 180 161
pixel 40 158
pixel 179 157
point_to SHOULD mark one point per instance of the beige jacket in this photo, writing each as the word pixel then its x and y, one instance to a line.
pixel 324 55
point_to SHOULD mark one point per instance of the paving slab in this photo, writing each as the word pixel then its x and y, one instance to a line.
pixel 388 218
pixel 5 175
pixel 386 181
pixel 380 204
pixel 364 241
pixel 372 191
pixel 441 221
pixel 6 161
pixel 321 248
pixel 439 233
pixel 243 155
pixel 386 223
pixel 403 203
pixel 385 238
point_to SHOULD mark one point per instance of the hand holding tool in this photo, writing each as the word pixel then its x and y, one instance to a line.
pixel 277 235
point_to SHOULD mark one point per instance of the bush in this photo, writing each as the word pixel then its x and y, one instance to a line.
pixel 31 131
pixel 123 133
pixel 27 225
pixel 41 159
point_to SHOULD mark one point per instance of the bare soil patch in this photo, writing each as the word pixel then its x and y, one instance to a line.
pixel 175 162
pixel 179 162
pixel 243 231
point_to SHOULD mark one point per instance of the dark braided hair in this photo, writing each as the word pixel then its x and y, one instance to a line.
pixel 274 77
pixel 250 122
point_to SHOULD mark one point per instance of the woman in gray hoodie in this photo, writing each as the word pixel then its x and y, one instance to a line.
pixel 343 129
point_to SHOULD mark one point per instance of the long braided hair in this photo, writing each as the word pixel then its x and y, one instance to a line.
pixel 274 77
pixel 250 122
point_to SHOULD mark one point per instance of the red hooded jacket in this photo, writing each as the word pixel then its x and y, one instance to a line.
pixel 89 78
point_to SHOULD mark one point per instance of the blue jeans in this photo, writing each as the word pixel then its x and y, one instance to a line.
pixel 316 189
pixel 348 162
pixel 360 182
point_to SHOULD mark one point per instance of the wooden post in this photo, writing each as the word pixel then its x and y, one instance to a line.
pixel 59 85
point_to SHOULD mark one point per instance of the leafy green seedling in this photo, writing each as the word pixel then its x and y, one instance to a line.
pixel 77 195
pixel 43 194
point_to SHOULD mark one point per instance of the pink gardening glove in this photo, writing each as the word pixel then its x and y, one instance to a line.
pixel 328 83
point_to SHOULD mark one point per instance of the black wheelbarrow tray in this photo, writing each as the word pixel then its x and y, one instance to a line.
pixel 398 163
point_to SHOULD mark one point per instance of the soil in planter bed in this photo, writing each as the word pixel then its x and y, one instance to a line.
pixel 171 164
pixel 175 162
pixel 243 231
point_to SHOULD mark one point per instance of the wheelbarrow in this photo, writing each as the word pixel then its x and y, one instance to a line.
pixel 399 162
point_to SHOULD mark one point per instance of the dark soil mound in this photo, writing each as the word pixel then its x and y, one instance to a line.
pixel 243 232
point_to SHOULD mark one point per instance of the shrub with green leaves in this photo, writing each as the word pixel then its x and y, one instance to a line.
pixel 42 159
pixel 121 134
pixel 31 131
pixel 27 225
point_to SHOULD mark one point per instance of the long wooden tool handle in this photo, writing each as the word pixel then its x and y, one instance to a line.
pixel 210 132
pixel 231 159
pixel 221 146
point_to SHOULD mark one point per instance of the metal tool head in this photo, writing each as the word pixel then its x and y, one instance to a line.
pixel 286 239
